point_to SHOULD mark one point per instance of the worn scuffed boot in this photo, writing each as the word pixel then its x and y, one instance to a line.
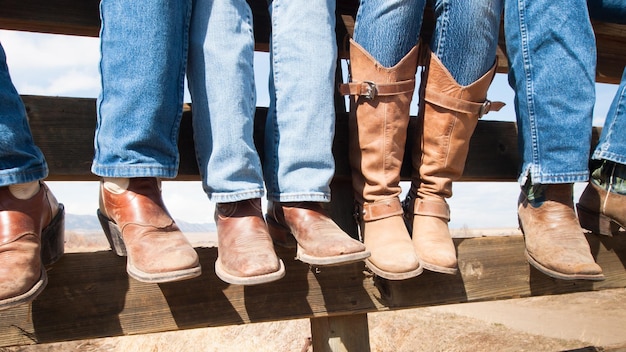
pixel 450 114
pixel 602 206
pixel 31 236
pixel 378 125
pixel 245 251
pixel 555 242
pixel 137 225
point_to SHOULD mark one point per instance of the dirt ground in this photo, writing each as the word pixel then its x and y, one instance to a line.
pixel 587 321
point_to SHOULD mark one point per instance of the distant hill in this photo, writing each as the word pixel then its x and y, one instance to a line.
pixel 90 223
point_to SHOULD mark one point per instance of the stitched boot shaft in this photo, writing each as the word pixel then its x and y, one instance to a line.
pixel 602 206
pixel 450 114
pixel 555 242
pixel 23 223
pixel 378 126
pixel 138 225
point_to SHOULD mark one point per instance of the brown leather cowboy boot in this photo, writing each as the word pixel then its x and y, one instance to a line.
pixel 378 125
pixel 31 236
pixel 319 241
pixel 245 251
pixel 138 225
pixel 602 206
pixel 450 114
pixel 555 242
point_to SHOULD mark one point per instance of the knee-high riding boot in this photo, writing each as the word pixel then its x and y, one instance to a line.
pixel 378 125
pixel 450 114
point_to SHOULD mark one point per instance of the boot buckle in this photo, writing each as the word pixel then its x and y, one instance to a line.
pixel 371 91
pixel 484 109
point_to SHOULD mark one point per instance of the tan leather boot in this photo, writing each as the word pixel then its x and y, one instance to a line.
pixel 601 209
pixel 378 126
pixel 31 236
pixel 555 242
pixel 450 114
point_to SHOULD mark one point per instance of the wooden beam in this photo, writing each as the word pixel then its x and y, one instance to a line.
pixel 64 128
pixel 89 295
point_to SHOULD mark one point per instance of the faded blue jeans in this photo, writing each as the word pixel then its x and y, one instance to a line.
pixel 143 61
pixel 298 163
pixel 20 159
pixel 552 59
pixel 612 143
pixel 465 36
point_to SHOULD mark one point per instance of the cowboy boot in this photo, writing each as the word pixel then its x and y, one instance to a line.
pixel 245 252
pixel 602 206
pixel 450 114
pixel 555 242
pixel 138 225
pixel 31 236
pixel 378 125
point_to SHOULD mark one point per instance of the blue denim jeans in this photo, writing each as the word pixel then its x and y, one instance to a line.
pixel 20 159
pixel 553 75
pixel 143 61
pixel 612 144
pixel 298 163
pixel 465 36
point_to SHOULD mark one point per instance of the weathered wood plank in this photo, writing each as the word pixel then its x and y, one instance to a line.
pixel 64 128
pixel 82 18
pixel 89 294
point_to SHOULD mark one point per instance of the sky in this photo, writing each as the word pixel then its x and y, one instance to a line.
pixel 56 65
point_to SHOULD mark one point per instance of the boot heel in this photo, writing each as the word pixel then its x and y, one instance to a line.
pixel 281 235
pixel 53 238
pixel 113 234
pixel 595 222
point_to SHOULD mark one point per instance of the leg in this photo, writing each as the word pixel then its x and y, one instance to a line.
pixel 144 49
pixel 551 127
pixel 299 164
pixel 222 50
pixel 31 230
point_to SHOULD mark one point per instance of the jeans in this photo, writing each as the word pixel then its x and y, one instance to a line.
pixel 465 36
pixel 298 163
pixel 553 75
pixel 144 54
pixel 612 143
pixel 20 159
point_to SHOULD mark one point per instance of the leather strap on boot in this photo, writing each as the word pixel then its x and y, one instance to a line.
pixel 381 210
pixel 438 208
pixel 370 90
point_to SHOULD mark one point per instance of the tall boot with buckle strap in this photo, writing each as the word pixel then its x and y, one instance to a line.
pixel 450 114
pixel 378 126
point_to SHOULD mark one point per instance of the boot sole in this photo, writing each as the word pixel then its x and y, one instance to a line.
pixel 561 276
pixel 249 280
pixel 114 236
pixel 439 269
pixel 393 276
